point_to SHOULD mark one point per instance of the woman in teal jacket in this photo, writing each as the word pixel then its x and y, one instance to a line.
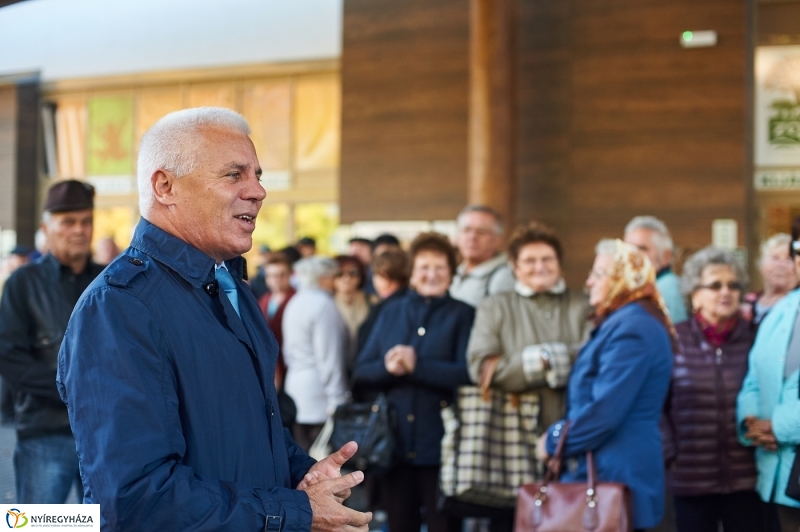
pixel 768 407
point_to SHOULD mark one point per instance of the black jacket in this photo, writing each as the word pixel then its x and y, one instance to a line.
pixel 438 329
pixel 34 311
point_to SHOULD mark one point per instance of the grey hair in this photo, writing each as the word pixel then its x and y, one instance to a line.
pixel 498 220
pixel 781 240
pixel 708 256
pixel 308 271
pixel 172 143
pixel 607 246
pixel 661 237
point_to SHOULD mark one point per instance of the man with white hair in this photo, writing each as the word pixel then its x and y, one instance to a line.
pixel 167 364
pixel 484 270
pixel 651 235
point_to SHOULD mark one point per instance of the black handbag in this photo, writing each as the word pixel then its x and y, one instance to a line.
pixel 370 425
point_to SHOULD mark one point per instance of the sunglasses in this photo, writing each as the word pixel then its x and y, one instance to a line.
pixel 717 286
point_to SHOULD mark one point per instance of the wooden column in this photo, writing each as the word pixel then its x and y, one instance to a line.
pixel 492 106
pixel 27 167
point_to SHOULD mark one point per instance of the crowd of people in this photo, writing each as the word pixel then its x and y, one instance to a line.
pixel 654 392
pixel 182 385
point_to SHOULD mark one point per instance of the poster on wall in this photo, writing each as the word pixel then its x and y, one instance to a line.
pixel 777 118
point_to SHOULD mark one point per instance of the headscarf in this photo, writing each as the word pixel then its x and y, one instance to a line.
pixel 633 278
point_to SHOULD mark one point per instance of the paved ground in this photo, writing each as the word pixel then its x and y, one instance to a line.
pixel 7 440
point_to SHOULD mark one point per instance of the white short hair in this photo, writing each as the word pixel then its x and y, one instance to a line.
pixel 607 246
pixel 171 144
pixel 661 237
pixel 308 271
pixel 781 240
pixel 485 209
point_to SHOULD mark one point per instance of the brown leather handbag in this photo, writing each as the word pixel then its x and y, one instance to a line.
pixel 552 506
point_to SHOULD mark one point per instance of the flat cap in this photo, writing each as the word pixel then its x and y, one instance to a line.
pixel 21 250
pixel 69 195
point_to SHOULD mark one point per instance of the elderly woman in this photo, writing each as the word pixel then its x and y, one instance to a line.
pixel 416 354
pixel 390 279
pixel 352 302
pixel 768 407
pixel 537 329
pixel 710 474
pixel 619 381
pixel 315 342
pixel 778 274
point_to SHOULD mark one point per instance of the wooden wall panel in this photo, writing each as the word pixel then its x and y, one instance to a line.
pixel 404 109
pixel 615 119
pixel 618 120
pixel 8 150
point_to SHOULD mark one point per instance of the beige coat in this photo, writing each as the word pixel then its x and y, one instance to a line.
pixel 517 325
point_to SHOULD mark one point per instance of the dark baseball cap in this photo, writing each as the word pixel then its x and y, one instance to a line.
pixel 69 195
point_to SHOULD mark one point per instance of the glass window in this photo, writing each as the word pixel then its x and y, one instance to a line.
pixel 319 221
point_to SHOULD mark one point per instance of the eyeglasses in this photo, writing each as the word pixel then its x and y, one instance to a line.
pixel 350 273
pixel 716 286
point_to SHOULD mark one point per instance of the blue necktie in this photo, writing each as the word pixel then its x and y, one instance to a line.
pixel 229 286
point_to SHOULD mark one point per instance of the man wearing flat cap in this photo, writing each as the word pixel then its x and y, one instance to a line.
pixel 34 311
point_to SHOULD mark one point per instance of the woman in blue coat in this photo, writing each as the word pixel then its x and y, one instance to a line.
pixel 768 406
pixel 619 382
pixel 416 354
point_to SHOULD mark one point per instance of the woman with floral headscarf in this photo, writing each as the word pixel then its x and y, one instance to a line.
pixel 619 382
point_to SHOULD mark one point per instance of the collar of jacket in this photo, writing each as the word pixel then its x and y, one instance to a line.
pixel 697 330
pixel 56 267
pixel 663 271
pixel 186 260
pixel 526 291
pixel 418 299
pixel 484 268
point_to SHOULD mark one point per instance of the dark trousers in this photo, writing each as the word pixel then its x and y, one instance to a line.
pixel 741 511
pixel 304 435
pixel 782 518
pixel 408 491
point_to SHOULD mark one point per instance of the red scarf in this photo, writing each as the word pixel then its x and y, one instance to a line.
pixel 718 334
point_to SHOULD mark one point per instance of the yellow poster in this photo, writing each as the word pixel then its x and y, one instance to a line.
pixel 317 129
pixel 110 139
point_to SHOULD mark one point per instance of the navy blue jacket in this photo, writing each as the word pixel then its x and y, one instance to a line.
pixel 171 398
pixel 438 329
pixel 614 402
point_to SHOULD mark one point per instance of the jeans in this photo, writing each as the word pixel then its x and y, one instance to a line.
pixel 46 467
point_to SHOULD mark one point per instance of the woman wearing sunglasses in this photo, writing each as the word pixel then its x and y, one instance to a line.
pixel 768 410
pixel 709 473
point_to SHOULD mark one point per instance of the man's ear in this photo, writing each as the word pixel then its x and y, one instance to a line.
pixel 667 258
pixel 163 185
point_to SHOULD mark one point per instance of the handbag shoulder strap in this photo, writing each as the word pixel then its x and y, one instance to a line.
pixel 487 372
pixel 554 465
